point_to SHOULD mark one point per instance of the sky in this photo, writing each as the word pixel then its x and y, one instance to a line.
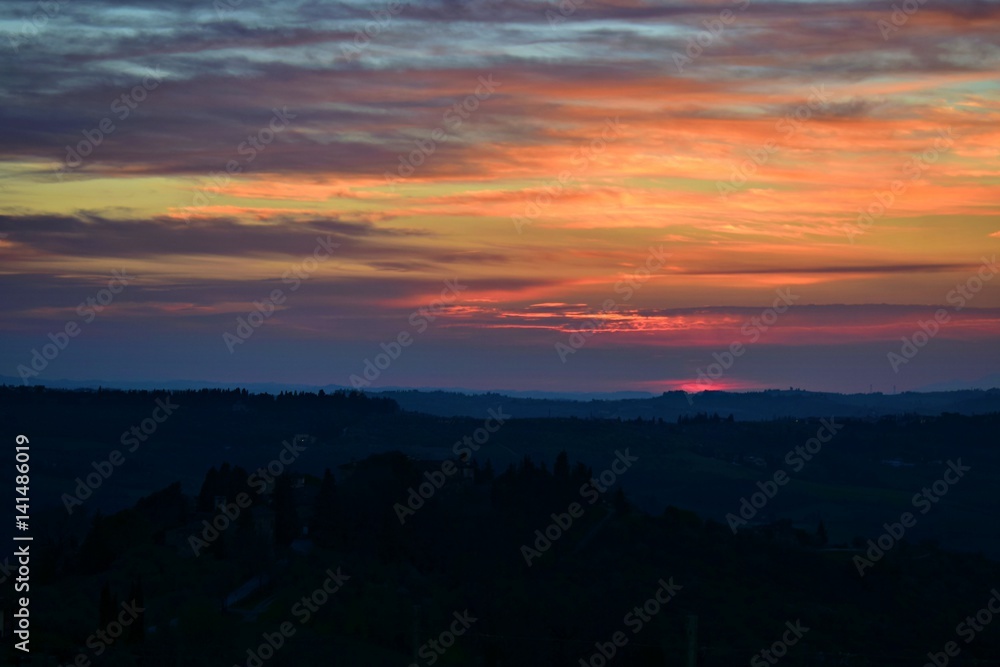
pixel 575 196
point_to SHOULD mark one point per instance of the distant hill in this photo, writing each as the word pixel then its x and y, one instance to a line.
pixel 743 406
pixel 985 383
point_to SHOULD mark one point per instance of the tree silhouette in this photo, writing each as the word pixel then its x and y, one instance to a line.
pixel 560 469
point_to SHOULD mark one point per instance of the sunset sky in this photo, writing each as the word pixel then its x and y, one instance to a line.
pixel 520 162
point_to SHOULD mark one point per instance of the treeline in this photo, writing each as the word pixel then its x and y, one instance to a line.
pixel 218 413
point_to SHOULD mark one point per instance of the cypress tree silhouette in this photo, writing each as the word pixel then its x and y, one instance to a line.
pixel 561 467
